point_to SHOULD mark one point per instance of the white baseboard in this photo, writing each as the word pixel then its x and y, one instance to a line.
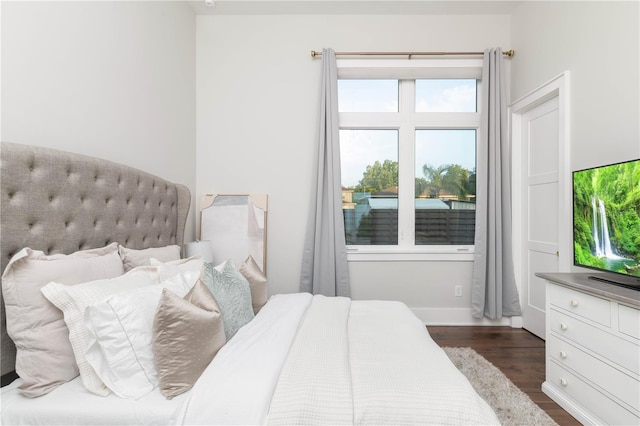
pixel 449 316
pixel 569 405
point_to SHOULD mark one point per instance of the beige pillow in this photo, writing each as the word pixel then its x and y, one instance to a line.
pixel 74 300
pixel 132 258
pixel 257 283
pixel 187 334
pixel 44 358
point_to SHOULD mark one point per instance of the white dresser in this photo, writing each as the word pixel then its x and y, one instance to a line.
pixel 593 349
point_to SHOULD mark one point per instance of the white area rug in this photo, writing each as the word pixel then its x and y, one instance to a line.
pixel 511 405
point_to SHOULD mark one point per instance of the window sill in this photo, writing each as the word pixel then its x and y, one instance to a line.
pixel 421 254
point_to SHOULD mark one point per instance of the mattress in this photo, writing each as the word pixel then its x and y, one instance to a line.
pixel 71 404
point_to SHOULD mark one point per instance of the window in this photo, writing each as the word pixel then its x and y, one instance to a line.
pixel 408 154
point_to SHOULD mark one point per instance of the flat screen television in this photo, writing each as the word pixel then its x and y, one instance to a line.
pixel 606 222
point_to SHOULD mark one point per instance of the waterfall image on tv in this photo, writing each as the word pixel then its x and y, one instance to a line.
pixel 606 218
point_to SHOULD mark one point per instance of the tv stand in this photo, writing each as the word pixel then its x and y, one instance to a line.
pixel 593 348
pixel 632 283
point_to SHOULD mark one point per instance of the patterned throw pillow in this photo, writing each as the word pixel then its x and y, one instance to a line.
pixel 187 334
pixel 233 294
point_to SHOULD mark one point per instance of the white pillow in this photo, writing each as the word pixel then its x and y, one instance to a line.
pixel 120 327
pixel 73 300
pixel 44 358
pixel 190 268
pixel 132 258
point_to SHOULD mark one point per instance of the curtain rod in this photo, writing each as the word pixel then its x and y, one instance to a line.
pixel 315 54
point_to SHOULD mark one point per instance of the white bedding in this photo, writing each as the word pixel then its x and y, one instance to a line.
pixel 237 386
pixel 347 351
pixel 374 363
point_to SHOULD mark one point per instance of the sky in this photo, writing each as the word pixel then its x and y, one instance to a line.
pixel 360 148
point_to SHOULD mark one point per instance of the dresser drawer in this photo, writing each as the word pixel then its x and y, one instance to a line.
pixel 620 351
pixel 582 304
pixel 605 408
pixel 629 321
pixel 619 384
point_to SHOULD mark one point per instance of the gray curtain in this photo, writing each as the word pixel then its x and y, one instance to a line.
pixel 324 260
pixel 493 291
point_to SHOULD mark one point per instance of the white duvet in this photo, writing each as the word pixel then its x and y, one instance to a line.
pixel 344 362
pixel 303 360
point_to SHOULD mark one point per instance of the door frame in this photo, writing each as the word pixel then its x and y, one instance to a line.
pixel 556 87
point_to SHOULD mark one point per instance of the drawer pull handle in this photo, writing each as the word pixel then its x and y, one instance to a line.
pixel 574 303
pixel 563 326
pixel 563 382
pixel 563 355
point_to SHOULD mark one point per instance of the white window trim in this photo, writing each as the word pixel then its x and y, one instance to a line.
pixel 406 122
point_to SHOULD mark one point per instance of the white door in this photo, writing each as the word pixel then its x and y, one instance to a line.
pixel 539 130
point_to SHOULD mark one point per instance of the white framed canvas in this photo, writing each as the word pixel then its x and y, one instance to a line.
pixel 236 225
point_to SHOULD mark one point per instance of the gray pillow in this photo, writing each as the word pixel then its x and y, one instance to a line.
pixel 132 258
pixel 45 358
pixel 187 335
pixel 233 294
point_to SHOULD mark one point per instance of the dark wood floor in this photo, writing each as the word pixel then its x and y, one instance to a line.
pixel 516 352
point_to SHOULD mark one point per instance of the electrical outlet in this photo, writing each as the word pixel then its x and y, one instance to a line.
pixel 458 291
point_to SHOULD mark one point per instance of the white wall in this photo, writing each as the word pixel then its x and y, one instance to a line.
pixel 599 43
pixel 257 108
pixel 114 80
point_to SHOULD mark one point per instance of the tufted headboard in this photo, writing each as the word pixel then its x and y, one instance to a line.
pixel 60 202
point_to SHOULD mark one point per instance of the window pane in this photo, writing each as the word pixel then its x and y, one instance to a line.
pixel 444 95
pixel 368 95
pixel 445 187
pixel 369 165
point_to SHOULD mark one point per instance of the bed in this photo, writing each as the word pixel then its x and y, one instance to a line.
pixel 294 359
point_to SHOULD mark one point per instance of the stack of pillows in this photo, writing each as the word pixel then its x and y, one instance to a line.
pixel 126 320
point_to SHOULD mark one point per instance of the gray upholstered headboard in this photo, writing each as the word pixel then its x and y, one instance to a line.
pixel 61 202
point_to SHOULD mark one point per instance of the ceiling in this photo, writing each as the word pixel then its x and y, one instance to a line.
pixel 360 7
